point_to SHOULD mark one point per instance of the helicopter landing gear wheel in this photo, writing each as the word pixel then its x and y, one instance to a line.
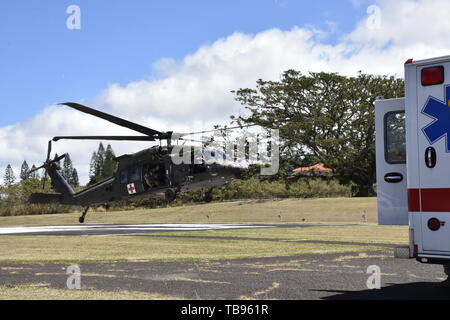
pixel 81 219
pixel 170 194
pixel 208 195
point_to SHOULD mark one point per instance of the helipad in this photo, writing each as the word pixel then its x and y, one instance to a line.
pixel 118 229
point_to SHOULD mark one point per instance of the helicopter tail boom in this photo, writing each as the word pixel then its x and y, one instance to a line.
pixel 46 198
pixel 59 183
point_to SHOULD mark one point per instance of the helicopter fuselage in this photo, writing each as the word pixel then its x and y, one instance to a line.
pixel 150 172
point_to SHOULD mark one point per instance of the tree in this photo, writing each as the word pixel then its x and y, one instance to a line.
pixel 75 180
pixel 102 164
pixel 325 116
pixel 9 177
pixel 67 168
pixel 100 161
pixel 24 171
pixel 92 166
pixel 34 174
pixel 69 172
pixel 109 164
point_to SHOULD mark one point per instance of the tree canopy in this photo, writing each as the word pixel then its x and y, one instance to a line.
pixel 102 164
pixel 69 172
pixel 323 117
pixel 24 171
pixel 9 177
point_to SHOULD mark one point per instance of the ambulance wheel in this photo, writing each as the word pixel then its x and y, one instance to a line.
pixel 447 269
pixel 445 283
pixel 170 195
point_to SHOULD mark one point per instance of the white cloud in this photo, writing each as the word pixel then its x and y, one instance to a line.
pixel 195 91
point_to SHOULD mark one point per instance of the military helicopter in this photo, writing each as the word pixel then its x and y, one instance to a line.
pixel 147 173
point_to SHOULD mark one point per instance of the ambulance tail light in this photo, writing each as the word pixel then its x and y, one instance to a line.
pixel 432 75
pixel 434 224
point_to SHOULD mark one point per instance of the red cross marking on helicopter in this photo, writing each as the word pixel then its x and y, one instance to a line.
pixel 131 188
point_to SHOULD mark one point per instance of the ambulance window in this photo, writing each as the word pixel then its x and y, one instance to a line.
pixel 395 137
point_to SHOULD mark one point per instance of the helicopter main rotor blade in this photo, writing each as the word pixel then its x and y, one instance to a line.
pixel 116 120
pixel 215 130
pixel 192 140
pixel 117 138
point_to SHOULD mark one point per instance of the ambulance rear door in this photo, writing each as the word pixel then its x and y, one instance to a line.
pixel 433 140
pixel 391 162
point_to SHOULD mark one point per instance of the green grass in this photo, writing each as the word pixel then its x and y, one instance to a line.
pixel 368 233
pixel 326 210
pixel 162 247
pixel 40 291
pixel 70 249
pixel 55 249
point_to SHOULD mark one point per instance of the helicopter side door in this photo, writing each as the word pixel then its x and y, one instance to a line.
pixel 131 180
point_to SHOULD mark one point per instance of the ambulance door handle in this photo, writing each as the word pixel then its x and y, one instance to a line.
pixel 393 177
pixel 430 157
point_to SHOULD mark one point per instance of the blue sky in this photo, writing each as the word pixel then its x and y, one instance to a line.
pixel 42 62
pixel 210 47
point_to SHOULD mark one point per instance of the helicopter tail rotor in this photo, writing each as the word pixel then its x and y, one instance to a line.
pixel 48 163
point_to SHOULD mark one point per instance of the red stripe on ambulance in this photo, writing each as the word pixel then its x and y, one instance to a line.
pixel 429 200
pixel 413 200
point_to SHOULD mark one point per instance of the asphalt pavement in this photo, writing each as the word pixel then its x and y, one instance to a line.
pixel 325 276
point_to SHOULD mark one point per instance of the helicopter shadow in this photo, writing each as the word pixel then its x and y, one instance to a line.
pixel 404 291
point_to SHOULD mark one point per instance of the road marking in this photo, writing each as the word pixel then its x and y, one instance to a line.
pixel 124 227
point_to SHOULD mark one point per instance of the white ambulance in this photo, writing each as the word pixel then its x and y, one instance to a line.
pixel 413 161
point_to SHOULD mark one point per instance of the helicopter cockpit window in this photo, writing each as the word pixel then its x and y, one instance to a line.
pixel 123 176
pixel 212 155
pixel 135 174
